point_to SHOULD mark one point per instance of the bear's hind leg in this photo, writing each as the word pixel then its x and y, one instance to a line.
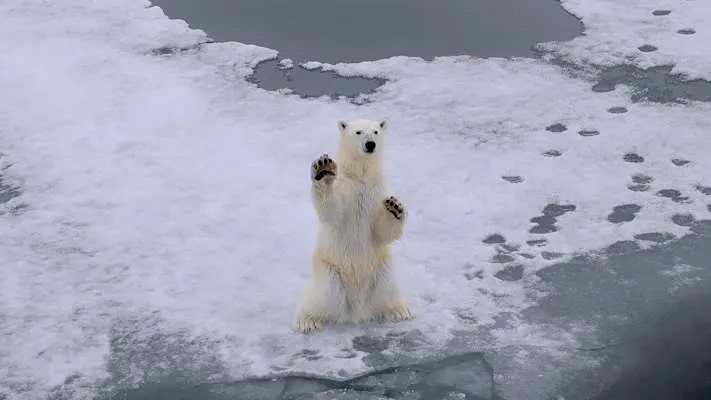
pixel 389 303
pixel 324 301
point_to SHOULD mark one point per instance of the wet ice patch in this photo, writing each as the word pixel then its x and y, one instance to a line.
pixel 656 237
pixel 657 84
pixel 624 213
pixel 681 275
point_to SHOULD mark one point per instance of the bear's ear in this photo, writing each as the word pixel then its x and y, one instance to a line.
pixel 342 125
pixel 383 124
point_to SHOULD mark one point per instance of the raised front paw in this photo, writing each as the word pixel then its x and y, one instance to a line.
pixel 394 207
pixel 323 169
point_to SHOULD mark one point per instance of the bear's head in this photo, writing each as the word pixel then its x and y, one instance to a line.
pixel 361 139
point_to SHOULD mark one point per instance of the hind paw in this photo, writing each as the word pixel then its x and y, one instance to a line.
pixel 307 325
pixel 399 313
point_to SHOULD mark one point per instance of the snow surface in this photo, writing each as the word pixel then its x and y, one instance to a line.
pixel 169 195
pixel 286 63
pixel 614 30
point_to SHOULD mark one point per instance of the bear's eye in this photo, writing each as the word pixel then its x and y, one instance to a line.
pixel 358 132
pixel 375 132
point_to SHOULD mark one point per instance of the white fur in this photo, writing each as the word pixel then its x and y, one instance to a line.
pixel 353 276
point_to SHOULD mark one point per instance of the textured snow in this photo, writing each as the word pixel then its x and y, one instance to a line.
pixel 286 63
pixel 167 195
pixel 614 31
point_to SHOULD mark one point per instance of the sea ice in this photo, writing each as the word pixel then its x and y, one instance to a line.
pixel 165 205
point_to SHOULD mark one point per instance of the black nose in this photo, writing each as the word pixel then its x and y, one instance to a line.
pixel 369 147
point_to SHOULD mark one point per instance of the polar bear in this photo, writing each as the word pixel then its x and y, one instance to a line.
pixel 353 275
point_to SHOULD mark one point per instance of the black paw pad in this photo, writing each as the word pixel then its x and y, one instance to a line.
pixel 394 207
pixel 321 174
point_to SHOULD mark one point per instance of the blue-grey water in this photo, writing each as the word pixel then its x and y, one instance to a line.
pixel 334 31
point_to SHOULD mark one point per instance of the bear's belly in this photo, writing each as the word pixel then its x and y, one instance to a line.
pixel 350 247
pixel 349 243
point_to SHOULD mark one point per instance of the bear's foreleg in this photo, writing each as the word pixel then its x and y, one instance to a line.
pixel 323 174
pixel 390 221
pixel 323 301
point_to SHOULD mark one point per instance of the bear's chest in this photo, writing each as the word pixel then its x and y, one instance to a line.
pixel 364 200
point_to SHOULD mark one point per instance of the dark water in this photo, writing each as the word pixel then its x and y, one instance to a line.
pixel 334 31
pixel 654 341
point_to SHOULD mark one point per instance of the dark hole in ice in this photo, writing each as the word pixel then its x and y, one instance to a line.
pixel 661 12
pixel 683 219
pixel 633 158
pixel 552 153
pixel 501 259
pixel 647 48
pixel 658 237
pixel 638 188
pixel 640 183
pixel 679 162
pixel 587 133
pixel 542 229
pixel 673 194
pixel 624 213
pixel 550 255
pixel 510 273
pixel 512 178
pixel 494 239
pixel 557 128
pixel 617 110
pixel 687 31
pixel 546 222
pixel 622 247
pixel 641 178
pixel 705 190
pixel 316 30
pixel 537 242
pixel 557 210
pixel 708 207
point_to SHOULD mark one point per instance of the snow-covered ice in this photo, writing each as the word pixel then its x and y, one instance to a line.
pixel 617 31
pixel 286 63
pixel 168 196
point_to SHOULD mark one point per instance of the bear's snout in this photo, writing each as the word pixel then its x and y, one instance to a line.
pixel 369 147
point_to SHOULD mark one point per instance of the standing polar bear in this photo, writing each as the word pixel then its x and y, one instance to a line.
pixel 353 278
